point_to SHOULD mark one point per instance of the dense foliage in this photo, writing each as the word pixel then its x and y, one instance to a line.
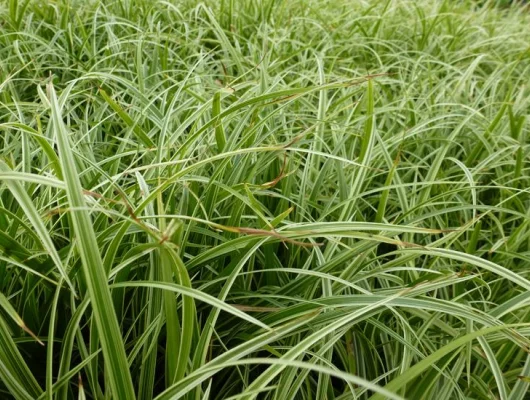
pixel 295 199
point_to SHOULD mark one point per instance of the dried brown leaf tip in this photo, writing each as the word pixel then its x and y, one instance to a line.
pixel 298 137
pixel 263 232
pixel 30 332
pixel 280 176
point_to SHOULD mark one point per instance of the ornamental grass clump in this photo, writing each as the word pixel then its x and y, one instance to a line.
pixel 264 200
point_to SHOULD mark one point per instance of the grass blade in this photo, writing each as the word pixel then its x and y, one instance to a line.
pixel 103 311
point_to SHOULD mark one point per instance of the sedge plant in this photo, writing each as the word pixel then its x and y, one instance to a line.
pixel 270 199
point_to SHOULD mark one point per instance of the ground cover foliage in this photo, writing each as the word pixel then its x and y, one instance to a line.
pixel 264 200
